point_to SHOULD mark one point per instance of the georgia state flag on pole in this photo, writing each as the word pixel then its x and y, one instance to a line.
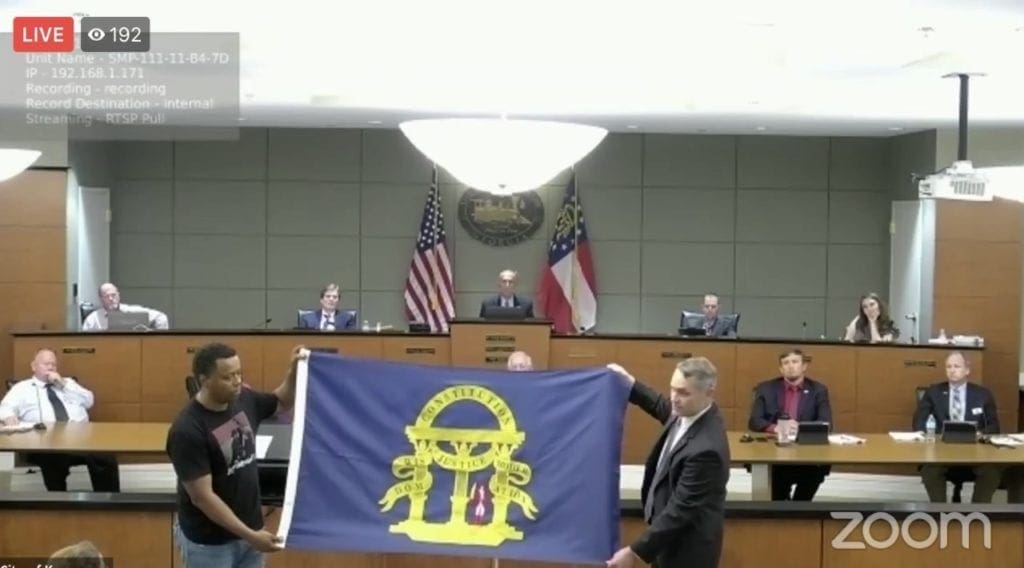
pixel 568 288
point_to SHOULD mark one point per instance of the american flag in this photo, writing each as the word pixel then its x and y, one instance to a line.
pixel 429 292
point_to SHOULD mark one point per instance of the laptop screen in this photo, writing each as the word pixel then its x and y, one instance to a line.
pixel 128 321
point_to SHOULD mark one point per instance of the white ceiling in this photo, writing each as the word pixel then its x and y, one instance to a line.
pixel 724 66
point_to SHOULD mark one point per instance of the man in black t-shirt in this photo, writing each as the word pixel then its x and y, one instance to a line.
pixel 212 447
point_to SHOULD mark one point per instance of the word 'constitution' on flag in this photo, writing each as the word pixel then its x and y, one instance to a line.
pixel 567 293
pixel 394 457
pixel 429 289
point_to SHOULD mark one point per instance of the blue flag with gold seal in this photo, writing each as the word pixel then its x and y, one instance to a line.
pixel 393 457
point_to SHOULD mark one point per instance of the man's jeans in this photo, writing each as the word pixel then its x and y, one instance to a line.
pixel 235 554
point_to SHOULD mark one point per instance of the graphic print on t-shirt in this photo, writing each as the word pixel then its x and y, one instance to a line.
pixel 237 442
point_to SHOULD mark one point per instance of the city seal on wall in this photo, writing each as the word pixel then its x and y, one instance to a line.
pixel 500 220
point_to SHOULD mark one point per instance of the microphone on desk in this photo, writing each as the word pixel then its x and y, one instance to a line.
pixel 263 325
pixel 803 330
pixel 39 405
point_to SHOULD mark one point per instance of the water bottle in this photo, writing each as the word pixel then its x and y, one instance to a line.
pixel 366 325
pixel 929 429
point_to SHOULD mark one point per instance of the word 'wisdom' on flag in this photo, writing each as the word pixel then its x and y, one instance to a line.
pixel 392 457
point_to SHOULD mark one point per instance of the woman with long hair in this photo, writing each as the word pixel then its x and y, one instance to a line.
pixel 872 324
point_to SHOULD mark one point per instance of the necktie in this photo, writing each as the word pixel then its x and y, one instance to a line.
pixel 666 448
pixel 958 406
pixel 59 411
pixel 669 441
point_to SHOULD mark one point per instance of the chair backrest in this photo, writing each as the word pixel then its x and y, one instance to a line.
pixel 733 320
pixel 86 308
pixel 299 314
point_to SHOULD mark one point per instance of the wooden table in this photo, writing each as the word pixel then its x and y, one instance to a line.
pixel 87 437
pixel 878 449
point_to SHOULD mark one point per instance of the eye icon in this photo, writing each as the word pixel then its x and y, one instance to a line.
pixel 96 34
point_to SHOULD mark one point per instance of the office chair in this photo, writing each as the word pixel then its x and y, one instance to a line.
pixel 86 308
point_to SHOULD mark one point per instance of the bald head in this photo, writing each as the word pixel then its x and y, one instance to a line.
pixel 520 361
pixel 44 364
pixel 110 297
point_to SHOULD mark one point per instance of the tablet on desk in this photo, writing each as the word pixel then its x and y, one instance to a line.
pixel 810 433
pixel 959 432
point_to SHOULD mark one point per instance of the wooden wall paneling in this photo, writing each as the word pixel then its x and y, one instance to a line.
pixel 1007 548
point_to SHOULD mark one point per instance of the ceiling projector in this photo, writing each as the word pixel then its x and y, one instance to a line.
pixel 959 181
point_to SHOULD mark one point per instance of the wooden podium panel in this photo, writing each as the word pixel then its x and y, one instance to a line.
pixel 108 365
pixel 277 350
pixel 488 343
pixel 888 378
pixel 832 365
pixel 418 349
pixel 167 360
pixel 653 361
pixel 576 352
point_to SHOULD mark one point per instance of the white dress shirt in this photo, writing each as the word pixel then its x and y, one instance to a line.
pixel 28 401
pixel 326 319
pixel 97 321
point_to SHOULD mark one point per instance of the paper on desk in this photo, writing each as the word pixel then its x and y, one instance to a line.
pixel 842 439
pixel 907 436
pixel 20 427
pixel 1010 440
pixel 262 445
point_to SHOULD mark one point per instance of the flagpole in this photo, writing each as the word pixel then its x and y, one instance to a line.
pixel 575 246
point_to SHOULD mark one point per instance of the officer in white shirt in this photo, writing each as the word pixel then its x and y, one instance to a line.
pixel 110 298
pixel 48 398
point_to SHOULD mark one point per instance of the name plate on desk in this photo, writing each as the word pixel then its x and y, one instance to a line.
pixel 500 338
pixel 78 350
pixel 676 355
pixel 919 363
pixel 489 359
pixel 501 349
pixel 324 349
pixel 420 351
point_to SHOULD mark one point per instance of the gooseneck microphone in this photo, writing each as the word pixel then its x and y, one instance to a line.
pixel 263 325
pixel 39 405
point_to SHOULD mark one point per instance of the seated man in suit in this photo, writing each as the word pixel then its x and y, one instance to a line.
pixel 507 295
pixel 713 325
pixel 328 317
pixel 783 402
pixel 956 398
pixel 49 397
pixel 110 298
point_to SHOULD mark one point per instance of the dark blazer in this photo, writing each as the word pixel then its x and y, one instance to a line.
pixel 343 319
pixel 725 324
pixel 688 492
pixel 980 407
pixel 516 301
pixel 814 405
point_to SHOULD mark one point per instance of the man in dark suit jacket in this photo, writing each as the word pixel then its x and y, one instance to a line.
pixel 507 295
pixel 958 399
pixel 783 402
pixel 328 317
pixel 686 474
pixel 713 324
